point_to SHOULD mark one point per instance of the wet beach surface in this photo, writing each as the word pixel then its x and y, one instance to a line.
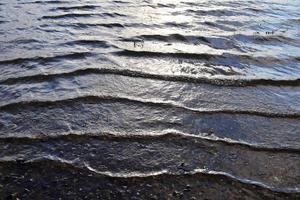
pixel 149 99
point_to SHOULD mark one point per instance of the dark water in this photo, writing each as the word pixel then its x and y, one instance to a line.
pixel 149 99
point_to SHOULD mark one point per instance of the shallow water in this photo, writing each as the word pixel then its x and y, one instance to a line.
pixel 149 99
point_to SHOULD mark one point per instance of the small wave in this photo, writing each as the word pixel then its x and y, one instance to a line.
pixel 218 25
pixel 262 38
pixel 19 102
pixel 84 15
pixel 174 134
pixel 75 55
pixel 126 175
pixel 45 2
pixel 214 42
pixel 295 20
pixel 26 41
pixel 169 5
pixel 79 25
pixel 121 2
pixel 193 172
pixel 297 58
pixel 81 7
pixel 132 53
pixel 171 24
pixel 218 13
pixel 69 15
pixel 227 59
pixel 109 25
pixel 93 43
pixel 85 167
pixel 131 73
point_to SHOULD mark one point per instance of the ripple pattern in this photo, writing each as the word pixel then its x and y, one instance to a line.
pixel 191 99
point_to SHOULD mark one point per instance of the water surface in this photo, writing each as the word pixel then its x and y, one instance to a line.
pixel 149 99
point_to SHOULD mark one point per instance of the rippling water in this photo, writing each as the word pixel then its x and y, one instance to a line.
pixel 149 99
